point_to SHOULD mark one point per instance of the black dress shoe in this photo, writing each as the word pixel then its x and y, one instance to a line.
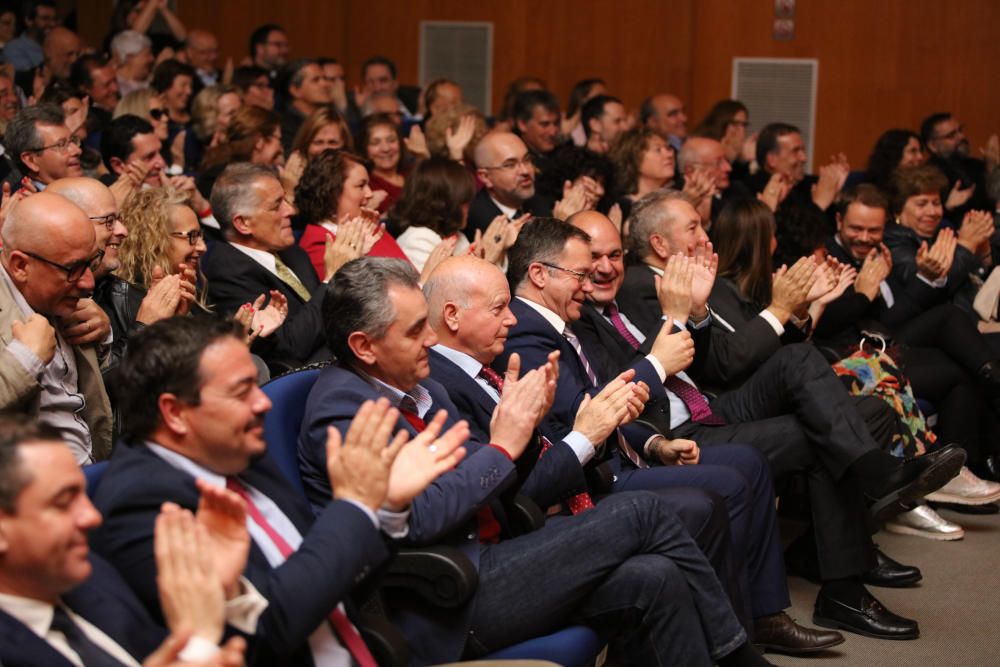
pixel 870 618
pixel 891 574
pixel 914 479
pixel 778 633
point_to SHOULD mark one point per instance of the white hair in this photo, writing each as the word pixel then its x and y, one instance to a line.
pixel 128 43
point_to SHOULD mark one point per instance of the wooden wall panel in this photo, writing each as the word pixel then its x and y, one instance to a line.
pixel 882 64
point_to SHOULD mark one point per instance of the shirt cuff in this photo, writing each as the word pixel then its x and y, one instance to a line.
pixel 649 441
pixel 658 367
pixel 581 446
pixel 31 364
pixel 802 324
pixel 244 610
pixel 700 325
pixel 366 510
pixel 936 284
pixel 769 317
pixel 394 524
pixel 198 649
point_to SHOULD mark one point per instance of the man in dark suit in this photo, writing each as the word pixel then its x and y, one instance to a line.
pixel 61 605
pixel 260 255
pixel 377 324
pixel 707 155
pixel 944 137
pixel 195 416
pixel 506 167
pixel 789 404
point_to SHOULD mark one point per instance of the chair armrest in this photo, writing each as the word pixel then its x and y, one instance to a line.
pixel 600 478
pixel 441 575
pixel 387 644
pixel 524 515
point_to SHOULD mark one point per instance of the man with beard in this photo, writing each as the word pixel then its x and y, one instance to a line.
pixel 948 146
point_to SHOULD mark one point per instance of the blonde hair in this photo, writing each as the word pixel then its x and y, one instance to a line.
pixel 205 109
pixel 135 103
pixel 438 124
pixel 316 121
pixel 146 215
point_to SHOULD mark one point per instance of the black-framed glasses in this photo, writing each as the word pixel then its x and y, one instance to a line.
pixel 580 276
pixel 513 163
pixel 158 114
pixel 61 146
pixel 192 236
pixel 75 270
pixel 108 220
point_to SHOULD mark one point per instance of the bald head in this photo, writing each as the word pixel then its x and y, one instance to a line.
pixel 707 154
pixel 504 166
pixel 607 270
pixel 202 49
pixel 98 203
pixel 54 229
pixel 467 306
pixel 61 48
pixel 665 114
pixel 591 222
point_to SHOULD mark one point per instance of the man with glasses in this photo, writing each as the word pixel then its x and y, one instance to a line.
pixel 506 167
pixel 702 154
pixel 255 84
pixel 41 146
pixel 46 267
pixel 269 48
pixel 944 137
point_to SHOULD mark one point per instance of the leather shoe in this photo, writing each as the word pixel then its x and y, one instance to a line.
pixel 891 574
pixel 914 479
pixel 870 619
pixel 778 633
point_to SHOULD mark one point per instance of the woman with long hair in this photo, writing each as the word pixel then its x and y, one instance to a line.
pixel 253 135
pixel 645 162
pixel 895 149
pixel 211 112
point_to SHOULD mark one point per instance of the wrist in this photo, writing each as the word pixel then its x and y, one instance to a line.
pixel 781 312
pixel 698 313
pixel 502 449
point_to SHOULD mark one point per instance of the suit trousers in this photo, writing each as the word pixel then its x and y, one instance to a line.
pixel 627 568
pixel 741 475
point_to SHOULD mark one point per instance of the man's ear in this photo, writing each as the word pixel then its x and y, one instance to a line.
pixel 30 160
pixel 484 176
pixel 659 245
pixel 450 317
pixel 538 274
pixel 17 266
pixel 361 345
pixel 172 414
pixel 117 165
pixel 241 223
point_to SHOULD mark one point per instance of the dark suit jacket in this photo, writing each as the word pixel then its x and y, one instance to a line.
pixel 534 338
pixel 234 279
pixel 340 547
pixel 105 601
pixel 904 243
pixel 548 479
pixel 445 513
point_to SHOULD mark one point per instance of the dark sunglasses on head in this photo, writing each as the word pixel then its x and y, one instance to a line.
pixel 157 114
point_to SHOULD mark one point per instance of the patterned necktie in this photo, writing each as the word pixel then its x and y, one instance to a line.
pixel 623 444
pixel 346 632
pixel 289 278
pixel 489 527
pixel 578 503
pixel 696 404
pixel 619 324
pixel 90 653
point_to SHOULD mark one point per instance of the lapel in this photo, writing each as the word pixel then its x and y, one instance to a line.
pixel 98 411
pixel 464 388
pixel 21 646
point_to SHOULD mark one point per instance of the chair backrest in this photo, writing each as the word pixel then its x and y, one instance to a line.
pixel 288 395
pixel 93 474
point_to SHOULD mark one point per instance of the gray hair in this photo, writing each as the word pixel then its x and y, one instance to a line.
pixel 21 135
pixel 357 299
pixel 650 216
pixel 128 43
pixel 233 192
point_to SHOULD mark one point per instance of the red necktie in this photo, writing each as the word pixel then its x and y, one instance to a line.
pixel 696 404
pixel 619 324
pixel 578 503
pixel 489 527
pixel 342 625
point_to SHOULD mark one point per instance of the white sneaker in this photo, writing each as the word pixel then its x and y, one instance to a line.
pixel 967 489
pixel 922 521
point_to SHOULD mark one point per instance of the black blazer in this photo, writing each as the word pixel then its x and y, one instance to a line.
pixel 546 480
pixel 234 279
pixel 104 600
pixel 340 547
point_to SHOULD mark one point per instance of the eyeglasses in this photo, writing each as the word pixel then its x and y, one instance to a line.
pixel 261 84
pixel 954 133
pixel 61 146
pixel 75 270
pixel 528 161
pixel 192 236
pixel 580 276
pixel 108 220
pixel 158 114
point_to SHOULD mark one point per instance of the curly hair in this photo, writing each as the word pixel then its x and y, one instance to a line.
pixel 886 155
pixel 248 125
pixel 433 197
pixel 915 181
pixel 316 121
pixel 146 215
pixel 627 154
pixel 321 185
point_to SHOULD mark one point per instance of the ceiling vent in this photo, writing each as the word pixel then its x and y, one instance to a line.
pixel 461 51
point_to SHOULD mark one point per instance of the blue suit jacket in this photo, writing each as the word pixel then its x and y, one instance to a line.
pixel 547 480
pixel 444 513
pixel 534 338
pixel 339 548
pixel 106 602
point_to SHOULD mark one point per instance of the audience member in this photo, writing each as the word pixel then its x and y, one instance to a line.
pixel 25 51
pixel 133 54
pixel 505 166
pixel 381 142
pixel 581 92
pixel 211 113
pixel 665 114
pixel 944 137
pixel 202 49
pixel 378 75
pixel 41 146
pixel 895 149
pixel 256 86
pixel 307 91
pixel 644 162
pixel 603 119
pixel 269 48
pixel 536 122
pixel 727 123
pixel 172 80
pixel 94 77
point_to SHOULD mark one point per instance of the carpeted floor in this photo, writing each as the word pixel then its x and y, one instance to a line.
pixel 957 603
